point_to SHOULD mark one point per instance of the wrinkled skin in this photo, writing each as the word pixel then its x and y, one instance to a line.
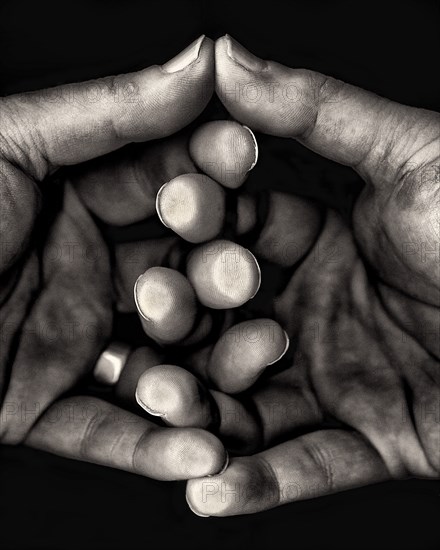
pixel 58 291
pixel 361 306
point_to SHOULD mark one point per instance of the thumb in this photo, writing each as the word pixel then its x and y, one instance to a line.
pixel 381 139
pixel 65 125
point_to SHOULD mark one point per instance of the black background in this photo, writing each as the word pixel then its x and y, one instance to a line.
pixel 390 48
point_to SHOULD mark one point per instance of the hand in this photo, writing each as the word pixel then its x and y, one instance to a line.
pixel 361 306
pixel 57 291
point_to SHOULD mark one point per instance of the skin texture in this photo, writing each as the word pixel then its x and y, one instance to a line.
pixel 360 305
pixel 58 290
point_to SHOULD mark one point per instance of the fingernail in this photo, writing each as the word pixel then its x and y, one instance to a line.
pixel 255 146
pixel 185 57
pixel 136 301
pixel 193 510
pixel 242 56
pixel 146 407
pixel 284 351
pixel 158 205
pixel 258 273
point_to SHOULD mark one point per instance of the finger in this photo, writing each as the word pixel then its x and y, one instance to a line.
pixel 277 408
pixel 289 230
pixel 339 121
pixel 181 400
pixel 166 303
pixel 89 119
pixel 138 362
pixel 120 188
pixel 280 406
pixel 244 351
pixel 175 395
pixel 316 464
pixel 163 298
pixel 236 361
pixel 132 259
pixel 161 392
pixel 221 275
pixel 68 324
pixel 224 150
pixel 194 207
pixel 74 123
pixel 91 430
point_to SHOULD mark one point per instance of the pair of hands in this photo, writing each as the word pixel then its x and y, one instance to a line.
pixel 355 400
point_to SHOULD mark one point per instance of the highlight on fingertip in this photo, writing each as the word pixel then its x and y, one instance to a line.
pixel 175 394
pixel 224 274
pixel 225 150
pixel 166 303
pixel 193 206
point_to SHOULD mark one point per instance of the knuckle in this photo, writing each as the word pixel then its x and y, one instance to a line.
pixel 322 465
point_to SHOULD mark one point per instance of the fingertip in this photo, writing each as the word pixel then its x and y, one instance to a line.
pixel 180 454
pixel 138 362
pixel 196 55
pixel 141 401
pixel 203 68
pixel 207 49
pixel 191 506
pixel 185 58
pixel 210 455
pixel 174 394
pixel 166 303
pixel 193 206
pixel 181 88
pixel 267 96
pixel 245 487
pixel 224 274
pixel 243 353
pixel 225 150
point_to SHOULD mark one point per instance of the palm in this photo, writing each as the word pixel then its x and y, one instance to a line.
pixel 357 399
pixel 356 306
pixel 356 358
pixel 62 306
